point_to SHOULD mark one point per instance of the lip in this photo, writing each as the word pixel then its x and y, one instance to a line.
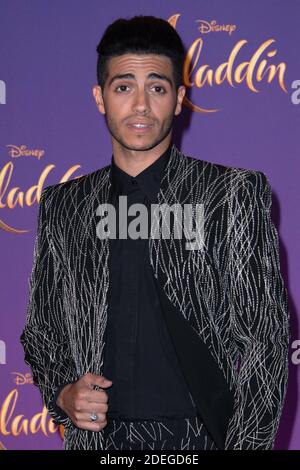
pixel 140 130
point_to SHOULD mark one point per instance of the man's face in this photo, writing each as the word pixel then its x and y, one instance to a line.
pixel 139 98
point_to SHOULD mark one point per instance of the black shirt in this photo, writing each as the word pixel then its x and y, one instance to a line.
pixel 139 355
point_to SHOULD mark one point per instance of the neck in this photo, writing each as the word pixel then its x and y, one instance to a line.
pixel 134 162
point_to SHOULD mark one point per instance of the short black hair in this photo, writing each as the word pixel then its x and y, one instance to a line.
pixel 140 35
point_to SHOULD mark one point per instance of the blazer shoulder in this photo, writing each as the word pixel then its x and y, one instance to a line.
pixel 234 172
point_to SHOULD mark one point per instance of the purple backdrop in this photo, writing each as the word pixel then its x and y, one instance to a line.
pixel 50 128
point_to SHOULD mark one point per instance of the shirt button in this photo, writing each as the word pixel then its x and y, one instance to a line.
pixel 133 182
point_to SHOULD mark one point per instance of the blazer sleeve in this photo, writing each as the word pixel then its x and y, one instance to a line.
pixel 259 317
pixel 46 347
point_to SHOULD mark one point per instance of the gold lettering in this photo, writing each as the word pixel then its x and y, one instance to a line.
pixel 11 425
pixel 15 197
pixel 19 426
pixel 251 71
pixel 197 44
pixel 39 422
pixel 7 411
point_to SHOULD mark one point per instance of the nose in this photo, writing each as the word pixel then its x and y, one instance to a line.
pixel 141 102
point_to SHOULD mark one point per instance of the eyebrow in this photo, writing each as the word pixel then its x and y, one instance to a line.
pixel 131 76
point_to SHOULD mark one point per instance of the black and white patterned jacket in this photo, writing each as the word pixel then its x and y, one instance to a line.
pixel 225 304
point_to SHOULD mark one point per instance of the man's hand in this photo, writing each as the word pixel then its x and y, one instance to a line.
pixel 80 399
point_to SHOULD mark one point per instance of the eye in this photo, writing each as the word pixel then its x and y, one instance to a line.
pixel 156 86
pixel 162 88
pixel 120 87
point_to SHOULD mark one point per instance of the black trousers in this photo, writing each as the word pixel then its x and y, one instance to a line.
pixel 164 434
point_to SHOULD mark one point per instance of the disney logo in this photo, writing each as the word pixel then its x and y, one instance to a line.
pixel 22 379
pixel 213 27
pixel 23 151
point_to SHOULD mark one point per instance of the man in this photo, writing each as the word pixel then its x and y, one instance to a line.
pixel 192 336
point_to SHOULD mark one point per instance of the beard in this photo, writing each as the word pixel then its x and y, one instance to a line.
pixel 117 134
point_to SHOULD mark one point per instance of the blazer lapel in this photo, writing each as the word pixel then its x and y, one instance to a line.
pixel 187 323
pixel 86 280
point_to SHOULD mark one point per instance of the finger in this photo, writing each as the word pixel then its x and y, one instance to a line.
pixel 98 380
pixel 98 388
pixel 101 416
pixel 96 408
pixel 97 396
pixel 87 408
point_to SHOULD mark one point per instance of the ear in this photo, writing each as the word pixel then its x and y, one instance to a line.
pixel 180 95
pixel 97 92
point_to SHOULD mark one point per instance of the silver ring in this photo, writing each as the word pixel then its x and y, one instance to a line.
pixel 93 417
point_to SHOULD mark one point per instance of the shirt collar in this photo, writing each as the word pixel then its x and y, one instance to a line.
pixel 148 180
